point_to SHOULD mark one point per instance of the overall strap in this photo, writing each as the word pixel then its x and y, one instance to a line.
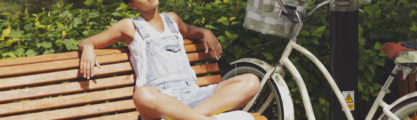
pixel 141 65
pixel 140 28
pixel 170 23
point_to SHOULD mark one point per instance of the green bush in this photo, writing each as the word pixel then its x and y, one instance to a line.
pixel 61 27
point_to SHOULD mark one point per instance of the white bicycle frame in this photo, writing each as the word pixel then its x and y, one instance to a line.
pixel 380 102
pixel 386 108
pixel 284 61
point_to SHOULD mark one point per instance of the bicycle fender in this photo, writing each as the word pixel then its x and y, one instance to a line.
pixel 403 98
pixel 287 103
pixel 285 96
pixel 400 100
pixel 257 62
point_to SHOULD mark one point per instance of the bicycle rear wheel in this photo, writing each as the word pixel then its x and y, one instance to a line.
pixel 406 109
pixel 269 102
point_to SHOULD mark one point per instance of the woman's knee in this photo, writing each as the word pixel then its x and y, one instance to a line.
pixel 145 99
pixel 253 83
pixel 145 96
pixel 250 82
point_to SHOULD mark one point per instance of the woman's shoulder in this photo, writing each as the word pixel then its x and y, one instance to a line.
pixel 125 21
pixel 174 16
pixel 125 27
pixel 124 24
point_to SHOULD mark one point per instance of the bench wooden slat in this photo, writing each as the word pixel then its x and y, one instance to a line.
pixel 77 111
pixel 193 47
pixel 66 88
pixel 57 65
pixel 93 84
pixel 126 116
pixel 62 101
pixel 61 75
pixel 54 57
pixel 207 80
pixel 74 63
pixel 72 99
pixel 206 68
pixel 188 41
pixel 189 47
pixel 200 56
pixel 73 74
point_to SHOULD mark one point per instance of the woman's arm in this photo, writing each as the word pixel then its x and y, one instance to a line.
pixel 108 37
pixel 114 34
pixel 206 36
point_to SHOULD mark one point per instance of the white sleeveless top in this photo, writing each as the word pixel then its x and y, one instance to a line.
pixel 159 57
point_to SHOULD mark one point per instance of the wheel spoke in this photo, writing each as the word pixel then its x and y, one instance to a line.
pixel 266 103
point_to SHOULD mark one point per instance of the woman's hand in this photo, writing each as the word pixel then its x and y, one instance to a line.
pixel 207 37
pixel 88 61
pixel 210 42
pixel 123 29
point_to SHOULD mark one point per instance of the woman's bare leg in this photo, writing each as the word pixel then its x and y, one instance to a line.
pixel 230 94
pixel 152 104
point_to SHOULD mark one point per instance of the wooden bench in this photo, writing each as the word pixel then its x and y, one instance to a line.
pixel 51 87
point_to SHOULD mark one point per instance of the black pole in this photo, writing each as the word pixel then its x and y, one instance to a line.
pixel 344 53
pixel 344 59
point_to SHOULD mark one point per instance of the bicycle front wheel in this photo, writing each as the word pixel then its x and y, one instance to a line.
pixel 406 109
pixel 268 102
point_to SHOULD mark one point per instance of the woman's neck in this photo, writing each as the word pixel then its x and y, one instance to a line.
pixel 154 19
pixel 151 16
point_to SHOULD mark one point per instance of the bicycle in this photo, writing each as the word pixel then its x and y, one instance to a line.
pixel 274 87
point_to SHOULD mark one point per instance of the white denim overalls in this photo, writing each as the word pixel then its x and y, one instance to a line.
pixel 166 64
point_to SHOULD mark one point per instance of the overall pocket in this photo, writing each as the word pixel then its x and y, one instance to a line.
pixel 172 44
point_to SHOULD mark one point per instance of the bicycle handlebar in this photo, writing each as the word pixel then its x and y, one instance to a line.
pixel 282 6
pixel 317 7
pixel 285 10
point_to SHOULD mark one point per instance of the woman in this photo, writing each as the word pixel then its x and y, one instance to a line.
pixel 166 84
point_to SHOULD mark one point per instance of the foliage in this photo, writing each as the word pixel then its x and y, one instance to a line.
pixel 385 21
pixel 61 27
pixel 9 6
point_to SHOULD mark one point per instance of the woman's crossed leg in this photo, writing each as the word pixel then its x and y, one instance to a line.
pixel 229 94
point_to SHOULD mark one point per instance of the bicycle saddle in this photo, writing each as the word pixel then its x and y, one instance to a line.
pixel 399 53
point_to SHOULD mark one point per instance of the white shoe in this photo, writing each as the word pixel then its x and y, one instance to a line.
pixel 234 115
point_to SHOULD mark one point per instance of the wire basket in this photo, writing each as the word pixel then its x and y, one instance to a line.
pixel 267 17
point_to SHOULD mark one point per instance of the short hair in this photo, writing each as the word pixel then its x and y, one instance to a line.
pixel 127 1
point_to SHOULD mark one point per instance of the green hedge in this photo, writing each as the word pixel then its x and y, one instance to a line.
pixel 61 27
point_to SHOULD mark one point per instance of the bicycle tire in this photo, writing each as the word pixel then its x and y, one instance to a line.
pixel 404 109
pixel 271 86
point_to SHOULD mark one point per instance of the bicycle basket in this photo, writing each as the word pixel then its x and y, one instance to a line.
pixel 267 17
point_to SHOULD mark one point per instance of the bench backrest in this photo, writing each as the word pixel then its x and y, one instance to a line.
pixel 50 86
